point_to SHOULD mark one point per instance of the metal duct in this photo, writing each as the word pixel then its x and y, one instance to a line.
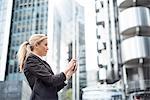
pixel 135 48
pixel 135 20
pixel 130 3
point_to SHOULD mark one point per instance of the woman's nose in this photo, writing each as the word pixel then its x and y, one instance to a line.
pixel 47 48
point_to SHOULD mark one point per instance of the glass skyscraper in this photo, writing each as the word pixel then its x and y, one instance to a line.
pixel 80 80
pixel 28 17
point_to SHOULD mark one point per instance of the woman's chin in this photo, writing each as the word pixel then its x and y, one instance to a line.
pixel 45 54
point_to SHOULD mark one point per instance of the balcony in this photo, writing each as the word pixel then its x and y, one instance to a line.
pixel 134 49
pixel 100 17
pixel 134 21
pixel 99 5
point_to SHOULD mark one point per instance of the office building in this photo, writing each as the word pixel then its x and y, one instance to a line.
pixel 79 80
pixel 108 54
pixel 28 17
pixel 20 19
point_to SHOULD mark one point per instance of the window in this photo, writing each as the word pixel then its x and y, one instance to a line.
pixel 15 67
pixel 17 4
pixel 10 69
pixel 37 16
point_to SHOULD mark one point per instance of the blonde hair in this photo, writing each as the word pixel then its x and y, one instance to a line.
pixel 28 46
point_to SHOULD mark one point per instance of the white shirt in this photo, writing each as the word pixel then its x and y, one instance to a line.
pixel 37 55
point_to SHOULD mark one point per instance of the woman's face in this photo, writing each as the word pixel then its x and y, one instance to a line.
pixel 42 48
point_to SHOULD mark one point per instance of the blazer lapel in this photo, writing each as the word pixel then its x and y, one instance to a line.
pixel 44 63
pixel 47 65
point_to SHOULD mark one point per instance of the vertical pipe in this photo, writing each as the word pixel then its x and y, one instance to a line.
pixel 141 75
pixel 73 51
pixel 75 78
pixel 108 41
pixel 114 41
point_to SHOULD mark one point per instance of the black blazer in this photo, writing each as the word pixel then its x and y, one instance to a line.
pixel 43 82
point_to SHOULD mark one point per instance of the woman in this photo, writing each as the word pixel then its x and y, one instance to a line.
pixel 43 82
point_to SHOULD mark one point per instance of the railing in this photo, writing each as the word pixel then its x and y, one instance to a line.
pixel 140 85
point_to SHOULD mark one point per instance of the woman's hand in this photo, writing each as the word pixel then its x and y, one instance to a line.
pixel 71 69
pixel 71 72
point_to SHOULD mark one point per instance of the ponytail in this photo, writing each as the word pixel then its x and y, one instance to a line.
pixel 22 54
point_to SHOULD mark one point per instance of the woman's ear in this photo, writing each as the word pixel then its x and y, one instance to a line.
pixel 36 45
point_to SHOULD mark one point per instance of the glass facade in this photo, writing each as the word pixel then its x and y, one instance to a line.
pixel 57 40
pixel 28 17
pixel 81 52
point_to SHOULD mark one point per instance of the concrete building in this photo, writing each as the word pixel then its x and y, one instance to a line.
pixel 108 54
pixel 5 22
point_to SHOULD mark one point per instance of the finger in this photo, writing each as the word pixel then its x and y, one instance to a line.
pixel 73 60
pixel 75 69
pixel 74 63
pixel 76 66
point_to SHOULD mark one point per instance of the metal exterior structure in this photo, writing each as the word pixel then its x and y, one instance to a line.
pixel 134 17
pixel 107 39
pixel 108 54
pixel 123 38
pixel 134 21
